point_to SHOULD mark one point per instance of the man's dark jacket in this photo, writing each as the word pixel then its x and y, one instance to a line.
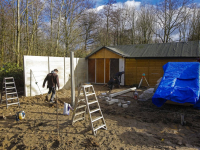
pixel 52 79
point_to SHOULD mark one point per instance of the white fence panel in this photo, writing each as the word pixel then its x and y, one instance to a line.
pixel 42 65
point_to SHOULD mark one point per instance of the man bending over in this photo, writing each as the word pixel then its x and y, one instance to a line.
pixel 52 80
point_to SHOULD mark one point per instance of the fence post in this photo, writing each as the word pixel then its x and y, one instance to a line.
pixel 48 65
pixel 64 70
pixel 72 78
pixel 30 82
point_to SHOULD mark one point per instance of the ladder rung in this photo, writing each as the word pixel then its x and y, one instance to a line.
pixel 12 98
pixel 98 127
pixel 97 118
pixel 81 94
pixel 90 94
pixel 92 111
pixel 86 86
pixel 81 100
pixel 9 82
pixel 8 78
pixel 76 114
pixel 78 119
pixel 9 88
pixel 92 102
pixel 12 93
pixel 13 103
pixel 80 106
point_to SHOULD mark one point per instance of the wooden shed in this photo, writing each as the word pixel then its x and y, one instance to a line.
pixel 137 59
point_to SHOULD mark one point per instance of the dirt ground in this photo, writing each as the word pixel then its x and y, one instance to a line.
pixel 140 126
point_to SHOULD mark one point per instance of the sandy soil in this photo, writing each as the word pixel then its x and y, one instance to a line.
pixel 140 126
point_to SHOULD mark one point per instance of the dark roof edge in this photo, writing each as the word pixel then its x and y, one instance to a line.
pixel 102 48
pixel 94 52
pixel 163 57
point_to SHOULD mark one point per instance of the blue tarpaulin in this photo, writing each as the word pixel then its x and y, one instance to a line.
pixel 180 83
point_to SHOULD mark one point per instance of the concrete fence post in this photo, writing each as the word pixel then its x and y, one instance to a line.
pixel 30 82
pixel 48 65
pixel 72 78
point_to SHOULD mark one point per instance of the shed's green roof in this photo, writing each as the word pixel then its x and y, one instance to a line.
pixel 178 49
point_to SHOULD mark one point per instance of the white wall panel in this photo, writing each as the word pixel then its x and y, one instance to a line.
pixel 40 66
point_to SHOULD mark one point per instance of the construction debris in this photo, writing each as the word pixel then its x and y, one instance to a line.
pixel 147 94
pixel 107 98
pixel 122 92
pixel 158 82
pixel 110 102
pixel 104 94
pixel 125 106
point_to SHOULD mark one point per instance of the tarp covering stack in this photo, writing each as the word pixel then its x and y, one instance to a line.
pixel 180 83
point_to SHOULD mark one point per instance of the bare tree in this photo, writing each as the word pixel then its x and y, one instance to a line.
pixel 107 10
pixel 170 15
pixel 73 10
pixel 116 18
pixel 88 23
pixel 131 23
pixel 18 32
pixel 58 31
pixel 183 28
pixel 145 25
pixel 194 26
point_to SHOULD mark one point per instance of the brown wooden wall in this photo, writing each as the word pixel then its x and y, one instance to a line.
pixel 100 56
pixel 91 70
pixel 99 67
pixel 107 73
pixel 100 70
pixel 134 68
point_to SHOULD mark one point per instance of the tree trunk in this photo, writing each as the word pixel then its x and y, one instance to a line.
pixel 51 28
pixel 18 32
pixel 58 31
pixel 27 30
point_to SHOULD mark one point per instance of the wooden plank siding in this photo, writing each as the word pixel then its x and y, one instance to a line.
pixel 91 70
pixel 107 70
pixel 100 70
pixel 134 68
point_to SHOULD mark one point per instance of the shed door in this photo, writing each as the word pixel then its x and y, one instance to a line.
pixel 114 67
pixel 100 70
pixel 91 70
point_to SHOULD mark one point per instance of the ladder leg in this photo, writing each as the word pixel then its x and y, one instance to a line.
pixel 100 112
pixel 99 107
pixel 76 101
pixel 88 90
pixel 2 91
pixel 140 83
pixel 146 81
pixel 90 117
pixel 6 94
pixel 16 93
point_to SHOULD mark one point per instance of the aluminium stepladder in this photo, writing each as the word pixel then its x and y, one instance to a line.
pixel 83 104
pixel 9 91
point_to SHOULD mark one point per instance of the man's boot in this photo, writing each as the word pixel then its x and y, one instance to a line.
pixel 47 98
